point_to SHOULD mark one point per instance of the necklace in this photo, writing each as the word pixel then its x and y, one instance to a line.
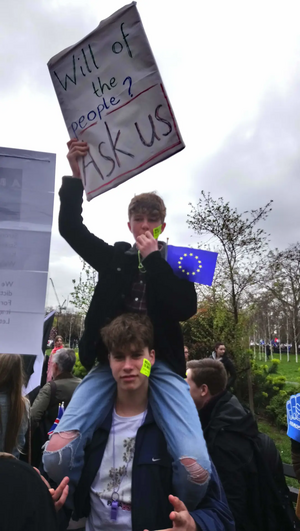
pixel 115 494
pixel 141 265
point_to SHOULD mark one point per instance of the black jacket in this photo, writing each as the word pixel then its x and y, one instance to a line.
pixel 249 466
pixel 46 404
pixel 151 483
pixel 26 504
pixel 169 298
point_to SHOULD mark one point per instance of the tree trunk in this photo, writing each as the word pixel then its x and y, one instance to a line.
pixel 287 341
pixel 250 389
pixel 295 334
pixel 280 357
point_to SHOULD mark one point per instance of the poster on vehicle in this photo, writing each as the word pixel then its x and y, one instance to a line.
pixel 26 207
pixel 112 97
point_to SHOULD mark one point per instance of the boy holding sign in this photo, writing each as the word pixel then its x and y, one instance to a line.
pixel 136 280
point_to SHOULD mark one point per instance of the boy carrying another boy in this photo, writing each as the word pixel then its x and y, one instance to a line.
pixel 126 480
pixel 131 279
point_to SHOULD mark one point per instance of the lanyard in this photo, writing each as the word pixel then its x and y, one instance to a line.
pixel 115 494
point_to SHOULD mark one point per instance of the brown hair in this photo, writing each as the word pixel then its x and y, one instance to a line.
pixel 209 372
pixel 11 381
pixel 57 338
pixel 150 203
pixel 217 345
pixel 126 330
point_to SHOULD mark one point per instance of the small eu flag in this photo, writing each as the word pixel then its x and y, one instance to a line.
pixel 192 264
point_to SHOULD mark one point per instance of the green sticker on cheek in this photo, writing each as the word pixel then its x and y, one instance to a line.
pixel 156 232
pixel 146 367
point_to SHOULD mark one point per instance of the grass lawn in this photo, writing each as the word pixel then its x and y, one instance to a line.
pixel 291 369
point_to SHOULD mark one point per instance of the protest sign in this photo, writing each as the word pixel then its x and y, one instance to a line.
pixel 26 205
pixel 112 97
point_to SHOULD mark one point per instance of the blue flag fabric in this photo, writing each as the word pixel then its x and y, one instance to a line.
pixel 192 264
pixel 61 410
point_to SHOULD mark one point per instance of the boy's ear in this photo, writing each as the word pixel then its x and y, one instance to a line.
pixel 152 356
pixel 129 226
pixel 163 227
pixel 204 390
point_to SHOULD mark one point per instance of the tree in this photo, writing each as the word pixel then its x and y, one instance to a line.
pixel 70 327
pixel 282 281
pixel 242 245
pixel 212 323
pixel 84 288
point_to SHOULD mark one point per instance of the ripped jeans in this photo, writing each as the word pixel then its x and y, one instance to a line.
pixel 174 412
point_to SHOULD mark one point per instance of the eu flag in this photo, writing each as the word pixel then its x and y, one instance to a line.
pixel 192 264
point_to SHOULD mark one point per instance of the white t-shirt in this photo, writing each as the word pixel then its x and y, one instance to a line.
pixel 110 479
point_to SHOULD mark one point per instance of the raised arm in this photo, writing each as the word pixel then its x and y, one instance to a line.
pixel 91 248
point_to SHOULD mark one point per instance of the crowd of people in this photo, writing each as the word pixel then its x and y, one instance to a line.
pixel 148 440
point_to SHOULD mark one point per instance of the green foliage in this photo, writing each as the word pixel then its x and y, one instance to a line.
pixel 266 384
pixel 212 323
pixel 276 410
pixel 79 371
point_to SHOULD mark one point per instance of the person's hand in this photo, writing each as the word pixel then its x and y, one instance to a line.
pixel 60 494
pixel 146 244
pixel 181 518
pixel 76 149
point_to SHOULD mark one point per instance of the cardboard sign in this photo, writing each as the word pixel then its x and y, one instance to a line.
pixel 112 97
pixel 26 206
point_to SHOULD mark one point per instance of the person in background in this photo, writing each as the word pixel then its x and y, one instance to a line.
pixel 14 409
pixel 247 461
pixel 219 354
pixel 58 344
pixel 60 389
pixel 186 353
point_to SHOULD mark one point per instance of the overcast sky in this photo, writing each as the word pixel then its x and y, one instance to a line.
pixel 232 73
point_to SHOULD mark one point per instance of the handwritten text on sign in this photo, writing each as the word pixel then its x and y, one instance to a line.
pixel 112 96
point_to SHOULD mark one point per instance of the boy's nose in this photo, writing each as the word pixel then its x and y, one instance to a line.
pixel 128 365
